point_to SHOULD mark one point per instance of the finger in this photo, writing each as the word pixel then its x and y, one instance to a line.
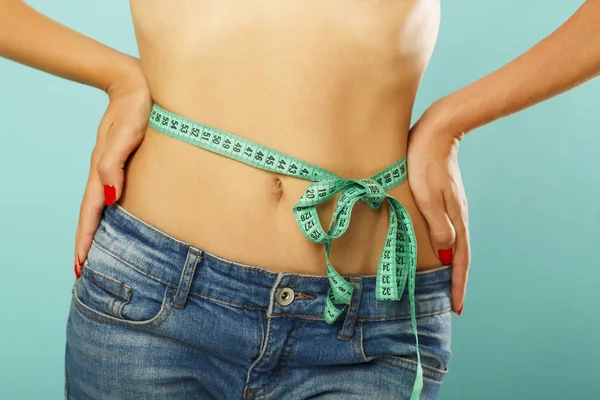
pixel 458 213
pixel 90 212
pixel 92 198
pixel 441 230
pixel 121 142
pixel 77 263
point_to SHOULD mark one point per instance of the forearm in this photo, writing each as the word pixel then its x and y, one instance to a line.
pixel 31 38
pixel 565 59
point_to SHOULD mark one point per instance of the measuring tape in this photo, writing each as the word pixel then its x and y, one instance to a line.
pixel 397 264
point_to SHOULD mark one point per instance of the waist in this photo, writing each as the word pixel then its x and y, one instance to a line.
pixel 245 214
pixel 155 253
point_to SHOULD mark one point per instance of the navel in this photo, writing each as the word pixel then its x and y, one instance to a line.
pixel 278 189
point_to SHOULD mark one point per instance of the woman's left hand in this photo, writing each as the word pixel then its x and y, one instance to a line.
pixel 436 183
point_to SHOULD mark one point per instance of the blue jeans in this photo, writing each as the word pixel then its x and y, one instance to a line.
pixel 153 317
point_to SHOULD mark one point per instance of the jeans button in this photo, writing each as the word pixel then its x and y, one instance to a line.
pixel 285 296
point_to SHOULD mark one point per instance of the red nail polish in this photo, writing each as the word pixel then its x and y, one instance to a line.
pixel 77 274
pixel 109 194
pixel 460 309
pixel 445 256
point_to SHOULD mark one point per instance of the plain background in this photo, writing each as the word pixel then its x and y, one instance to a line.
pixel 529 329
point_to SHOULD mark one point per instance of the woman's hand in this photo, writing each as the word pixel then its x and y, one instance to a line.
pixel 32 38
pixel 437 186
pixel 120 132
pixel 561 61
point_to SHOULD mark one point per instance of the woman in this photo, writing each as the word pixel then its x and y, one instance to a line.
pixel 199 282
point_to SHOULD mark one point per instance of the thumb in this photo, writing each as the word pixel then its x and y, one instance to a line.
pixel 441 230
pixel 111 163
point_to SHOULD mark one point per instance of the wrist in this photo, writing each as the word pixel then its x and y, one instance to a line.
pixel 128 77
pixel 443 119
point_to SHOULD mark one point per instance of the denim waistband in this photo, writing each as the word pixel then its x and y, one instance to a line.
pixel 163 257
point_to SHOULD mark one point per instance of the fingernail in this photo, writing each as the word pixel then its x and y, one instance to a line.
pixel 109 194
pixel 77 273
pixel 460 309
pixel 445 256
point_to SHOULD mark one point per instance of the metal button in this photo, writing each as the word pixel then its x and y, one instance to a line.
pixel 285 296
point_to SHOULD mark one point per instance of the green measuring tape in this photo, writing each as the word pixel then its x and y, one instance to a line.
pixel 397 264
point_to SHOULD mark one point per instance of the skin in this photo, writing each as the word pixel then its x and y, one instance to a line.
pixel 339 95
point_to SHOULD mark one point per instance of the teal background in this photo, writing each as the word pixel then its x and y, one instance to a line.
pixel 529 328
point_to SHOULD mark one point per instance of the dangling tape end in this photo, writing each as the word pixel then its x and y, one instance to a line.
pixel 418 385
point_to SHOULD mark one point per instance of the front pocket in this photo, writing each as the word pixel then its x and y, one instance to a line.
pixel 112 291
pixel 392 342
pixel 106 294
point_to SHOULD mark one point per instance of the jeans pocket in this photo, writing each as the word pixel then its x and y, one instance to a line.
pixel 112 291
pixel 392 342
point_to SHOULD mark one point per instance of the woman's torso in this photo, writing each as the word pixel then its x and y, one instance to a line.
pixel 331 82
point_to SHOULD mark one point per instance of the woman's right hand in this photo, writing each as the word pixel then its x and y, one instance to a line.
pixel 120 133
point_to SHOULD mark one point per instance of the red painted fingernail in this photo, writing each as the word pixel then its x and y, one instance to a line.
pixel 109 194
pixel 445 256
pixel 460 309
pixel 77 273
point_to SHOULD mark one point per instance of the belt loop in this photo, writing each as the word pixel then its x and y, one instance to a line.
pixel 187 275
pixel 346 331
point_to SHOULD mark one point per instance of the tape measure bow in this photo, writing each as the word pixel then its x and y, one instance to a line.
pixel 399 253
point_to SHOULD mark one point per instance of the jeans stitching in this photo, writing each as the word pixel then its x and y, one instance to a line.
pixel 66 381
pixel 156 321
pixel 287 359
pixel 121 284
pixel 262 332
pixel 304 296
pixel 311 316
pixel 360 342
pixel 261 358
pixel 139 269
pixel 262 361
pixel 356 356
pixel 187 257
pixel 188 275
pixel 280 376
pixel 428 372
pixel 233 303
pixel 406 316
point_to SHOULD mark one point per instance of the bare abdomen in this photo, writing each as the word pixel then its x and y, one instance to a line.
pixel 315 83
